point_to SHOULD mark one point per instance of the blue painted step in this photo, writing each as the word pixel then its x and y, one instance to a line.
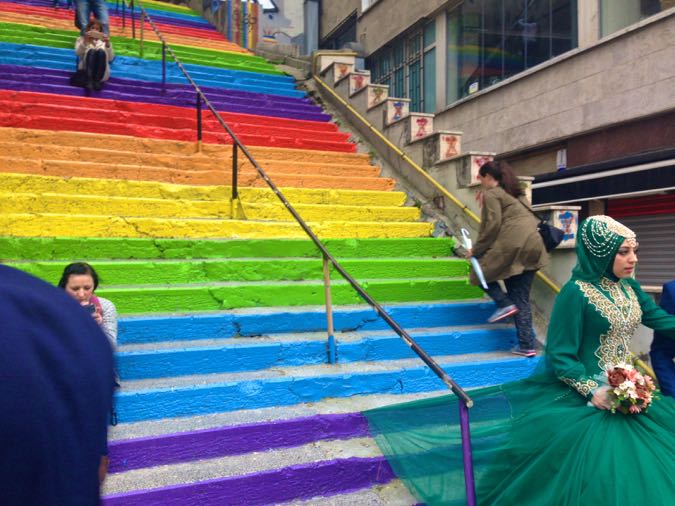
pixel 249 356
pixel 282 389
pixel 250 323
pixel 151 71
pixel 22 78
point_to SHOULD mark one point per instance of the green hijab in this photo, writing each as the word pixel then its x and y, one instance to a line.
pixel 598 240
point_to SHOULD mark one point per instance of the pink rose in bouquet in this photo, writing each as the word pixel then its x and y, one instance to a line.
pixel 630 390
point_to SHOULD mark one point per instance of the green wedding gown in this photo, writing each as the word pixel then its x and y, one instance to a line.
pixel 538 441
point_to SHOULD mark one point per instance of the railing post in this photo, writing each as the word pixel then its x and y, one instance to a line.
pixel 469 482
pixel 244 38
pixel 332 354
pixel 141 45
pixel 133 21
pixel 235 163
pixel 163 65
pixel 229 20
pixel 199 120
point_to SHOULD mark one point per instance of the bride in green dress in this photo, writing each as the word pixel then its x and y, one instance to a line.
pixel 552 439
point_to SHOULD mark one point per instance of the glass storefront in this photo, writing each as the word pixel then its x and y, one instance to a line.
pixel 618 14
pixel 491 40
pixel 408 66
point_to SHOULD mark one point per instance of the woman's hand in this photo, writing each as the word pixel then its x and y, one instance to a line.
pixel 600 398
pixel 468 254
pixel 97 316
pixel 106 39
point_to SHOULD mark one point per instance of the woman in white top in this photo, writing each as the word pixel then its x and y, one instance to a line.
pixel 95 53
pixel 80 280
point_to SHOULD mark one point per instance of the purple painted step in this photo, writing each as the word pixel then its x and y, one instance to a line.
pixel 304 481
pixel 220 442
pixel 14 77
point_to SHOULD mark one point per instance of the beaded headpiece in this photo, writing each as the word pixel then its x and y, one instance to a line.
pixel 599 235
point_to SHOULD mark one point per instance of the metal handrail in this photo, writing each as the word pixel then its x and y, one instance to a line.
pixel 444 191
pixel 328 260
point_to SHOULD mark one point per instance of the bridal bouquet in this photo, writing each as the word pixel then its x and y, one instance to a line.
pixel 630 390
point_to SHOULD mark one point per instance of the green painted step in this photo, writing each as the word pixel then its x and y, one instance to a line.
pixel 166 7
pixel 73 248
pixel 36 35
pixel 185 299
pixel 174 272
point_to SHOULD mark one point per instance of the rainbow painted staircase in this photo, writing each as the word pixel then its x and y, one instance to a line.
pixel 227 396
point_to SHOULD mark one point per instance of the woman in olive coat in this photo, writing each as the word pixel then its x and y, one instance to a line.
pixel 509 248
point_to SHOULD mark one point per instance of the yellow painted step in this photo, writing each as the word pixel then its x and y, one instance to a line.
pixel 60 225
pixel 28 183
pixel 56 203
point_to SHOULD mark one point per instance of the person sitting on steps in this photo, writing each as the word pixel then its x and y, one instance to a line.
pixel 95 54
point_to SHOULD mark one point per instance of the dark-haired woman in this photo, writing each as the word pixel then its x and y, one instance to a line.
pixel 80 281
pixel 508 248
pixel 95 52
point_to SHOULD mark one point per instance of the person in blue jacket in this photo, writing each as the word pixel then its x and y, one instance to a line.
pixel 56 387
pixel 663 349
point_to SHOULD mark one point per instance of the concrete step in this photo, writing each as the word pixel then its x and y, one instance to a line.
pixel 249 354
pixel 228 295
pixel 25 78
pixel 164 121
pixel 68 249
pixel 81 225
pixel 190 271
pixel 211 393
pixel 298 177
pixel 202 195
pixel 138 69
pixel 62 20
pixel 253 322
pixel 96 205
pixel 29 34
pixel 159 147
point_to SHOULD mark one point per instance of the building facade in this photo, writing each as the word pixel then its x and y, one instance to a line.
pixel 579 94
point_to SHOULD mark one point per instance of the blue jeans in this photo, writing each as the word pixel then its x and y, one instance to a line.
pixel 517 293
pixel 100 10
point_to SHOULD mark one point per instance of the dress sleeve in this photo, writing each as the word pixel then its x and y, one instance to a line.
pixel 80 47
pixel 110 52
pixel 653 316
pixel 491 222
pixel 565 333
pixel 109 324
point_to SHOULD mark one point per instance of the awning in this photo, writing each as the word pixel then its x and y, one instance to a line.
pixel 631 176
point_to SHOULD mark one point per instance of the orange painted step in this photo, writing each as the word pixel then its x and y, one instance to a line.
pixel 201 177
pixel 69 154
pixel 171 147
pixel 96 154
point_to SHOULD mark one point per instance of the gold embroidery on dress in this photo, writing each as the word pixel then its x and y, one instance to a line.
pixel 620 307
pixel 622 311
pixel 583 387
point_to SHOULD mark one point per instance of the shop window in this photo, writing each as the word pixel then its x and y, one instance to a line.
pixel 408 66
pixel 491 40
pixel 618 14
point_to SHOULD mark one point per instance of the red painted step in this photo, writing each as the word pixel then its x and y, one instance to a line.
pixel 60 112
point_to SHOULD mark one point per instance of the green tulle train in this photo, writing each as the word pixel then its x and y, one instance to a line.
pixel 535 442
